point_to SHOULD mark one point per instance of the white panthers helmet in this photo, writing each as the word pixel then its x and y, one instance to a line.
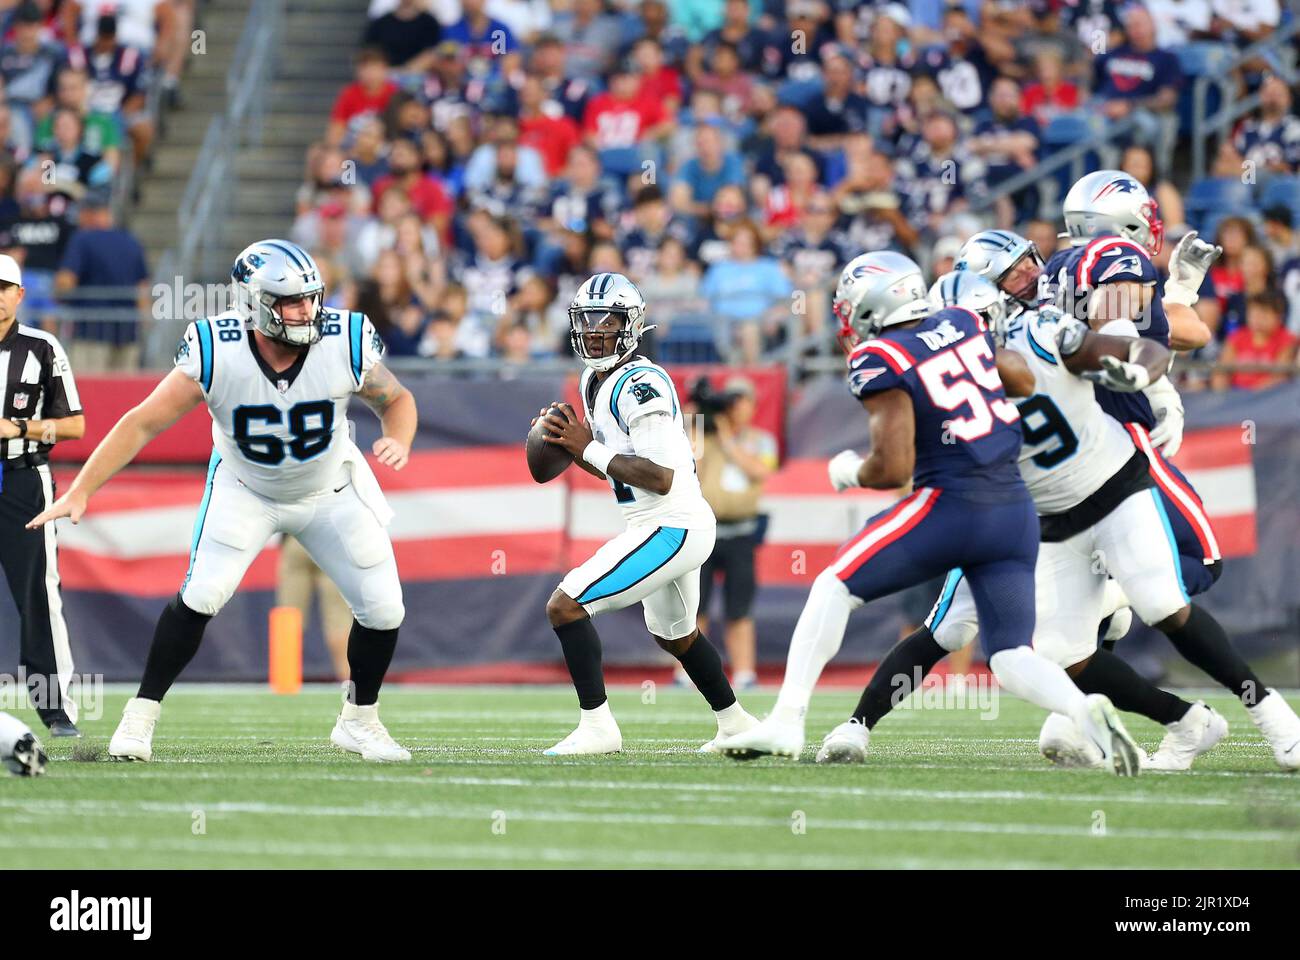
pixel 878 290
pixel 602 296
pixel 1110 203
pixel 965 288
pixel 993 253
pixel 270 270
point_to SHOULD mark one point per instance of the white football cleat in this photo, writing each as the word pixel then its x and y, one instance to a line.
pixel 133 738
pixel 597 732
pixel 1196 733
pixel 731 721
pixel 1280 727
pixel 772 737
pixel 1100 723
pixel 847 743
pixel 1063 743
pixel 359 730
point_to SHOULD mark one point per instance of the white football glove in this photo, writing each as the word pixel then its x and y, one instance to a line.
pixel 1188 265
pixel 843 470
pixel 1119 375
pixel 1167 405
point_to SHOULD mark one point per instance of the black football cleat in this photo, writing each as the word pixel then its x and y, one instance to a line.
pixel 63 727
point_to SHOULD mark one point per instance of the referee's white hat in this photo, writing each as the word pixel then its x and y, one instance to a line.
pixel 10 272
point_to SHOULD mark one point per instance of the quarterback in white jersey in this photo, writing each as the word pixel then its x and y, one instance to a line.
pixel 633 434
pixel 276 374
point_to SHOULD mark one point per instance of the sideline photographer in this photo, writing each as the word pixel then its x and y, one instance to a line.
pixel 735 458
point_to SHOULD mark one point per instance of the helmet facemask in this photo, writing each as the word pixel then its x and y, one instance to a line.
pixel 595 327
pixel 298 333
pixel 1028 293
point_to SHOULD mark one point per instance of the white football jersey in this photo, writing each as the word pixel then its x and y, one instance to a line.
pixel 1071 446
pixel 612 407
pixel 285 435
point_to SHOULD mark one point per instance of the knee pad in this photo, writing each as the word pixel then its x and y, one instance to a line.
pixel 952 635
pixel 386 615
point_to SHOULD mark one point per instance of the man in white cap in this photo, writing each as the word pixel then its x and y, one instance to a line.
pixel 39 406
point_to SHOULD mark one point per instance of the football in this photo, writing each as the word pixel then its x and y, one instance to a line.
pixel 546 461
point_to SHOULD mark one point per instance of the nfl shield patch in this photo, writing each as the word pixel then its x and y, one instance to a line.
pixel 19 401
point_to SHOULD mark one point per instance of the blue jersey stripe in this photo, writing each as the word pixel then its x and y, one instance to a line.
pixel 1042 353
pixel 944 602
pixel 657 550
pixel 354 341
pixel 613 396
pixel 204 328
pixel 1173 542
pixel 213 462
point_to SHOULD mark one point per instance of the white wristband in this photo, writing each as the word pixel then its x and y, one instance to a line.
pixel 1177 293
pixel 598 455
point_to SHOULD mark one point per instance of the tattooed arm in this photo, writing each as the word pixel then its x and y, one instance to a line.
pixel 396 409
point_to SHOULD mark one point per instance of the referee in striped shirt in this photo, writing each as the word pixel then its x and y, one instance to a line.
pixel 38 407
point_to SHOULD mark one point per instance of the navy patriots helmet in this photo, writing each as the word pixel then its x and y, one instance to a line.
pixel 1110 203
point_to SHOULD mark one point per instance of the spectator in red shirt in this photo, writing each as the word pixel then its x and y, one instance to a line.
pixel 368 94
pixel 551 136
pixel 659 82
pixel 619 118
pixel 1262 340
pixel 1051 94
pixel 428 198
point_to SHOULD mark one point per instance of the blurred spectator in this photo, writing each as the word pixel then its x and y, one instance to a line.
pixel 961 64
pixel 712 168
pixel 427 195
pixel 525 18
pixel 366 96
pixel 116 74
pixel 492 274
pixel 1249 20
pixel 735 30
pixel 591 39
pixel 1283 242
pixel 618 121
pixel 1263 340
pixel 502 164
pixel 570 94
pixel 784 205
pixel 868 197
pixel 67 168
pixel 1225 277
pixel 551 134
pixel 726 78
pixel 735 458
pixel 1139 164
pixel 490 48
pixel 99 130
pixel 369 154
pixel 653 222
pixel 659 81
pixel 1257 277
pixel 674 284
pixel 407 35
pixel 1270 140
pixel 159 29
pixel 813 253
pixel 582 201
pixel 1008 144
pixel 887 72
pixel 786 136
pixel 726 212
pixel 1044 235
pixel 1179 21
pixel 938 174
pixel 658 27
pixel 28 64
pixel 1140 80
pixel 101 255
pixel 840 110
pixel 750 292
pixel 1049 94
pixel 944 255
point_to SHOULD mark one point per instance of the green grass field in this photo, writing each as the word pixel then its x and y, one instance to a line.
pixel 243 778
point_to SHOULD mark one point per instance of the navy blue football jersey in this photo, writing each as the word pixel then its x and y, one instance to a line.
pixel 967 431
pixel 1075 272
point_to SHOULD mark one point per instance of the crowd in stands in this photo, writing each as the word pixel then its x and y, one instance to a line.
pixel 731 156
pixel 73 84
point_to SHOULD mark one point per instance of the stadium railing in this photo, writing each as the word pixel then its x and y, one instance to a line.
pixel 1206 124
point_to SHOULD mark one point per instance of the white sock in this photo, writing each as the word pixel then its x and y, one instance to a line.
pixel 817 638
pixel 729 718
pixel 11 731
pixel 600 716
pixel 1032 677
